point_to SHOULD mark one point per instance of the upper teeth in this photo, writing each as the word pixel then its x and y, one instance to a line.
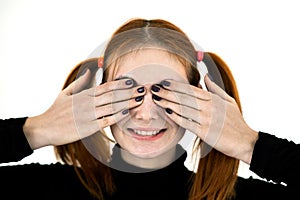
pixel 146 133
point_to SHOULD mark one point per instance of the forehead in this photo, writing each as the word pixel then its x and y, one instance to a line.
pixel 150 66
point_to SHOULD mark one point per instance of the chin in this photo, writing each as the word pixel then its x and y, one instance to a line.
pixel 148 153
pixel 150 149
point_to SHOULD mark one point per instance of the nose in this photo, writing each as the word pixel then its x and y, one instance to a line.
pixel 148 110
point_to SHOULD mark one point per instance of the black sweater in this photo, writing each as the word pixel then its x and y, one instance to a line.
pixel 273 159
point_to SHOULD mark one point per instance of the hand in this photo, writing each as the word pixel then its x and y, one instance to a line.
pixel 213 116
pixel 78 113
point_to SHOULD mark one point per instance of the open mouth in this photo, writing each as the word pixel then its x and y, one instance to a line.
pixel 142 134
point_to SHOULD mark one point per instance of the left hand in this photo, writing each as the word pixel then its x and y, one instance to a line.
pixel 212 115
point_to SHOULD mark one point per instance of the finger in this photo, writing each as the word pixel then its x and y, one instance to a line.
pixel 177 97
pixel 119 95
pixel 215 89
pixel 190 125
pixel 112 119
pixel 79 84
pixel 186 88
pixel 111 109
pixel 191 114
pixel 112 86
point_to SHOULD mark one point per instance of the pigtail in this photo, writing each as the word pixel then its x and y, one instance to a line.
pixel 229 84
pixel 95 176
pixel 216 173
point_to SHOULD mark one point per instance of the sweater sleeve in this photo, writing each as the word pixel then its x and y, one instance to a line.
pixel 13 143
pixel 277 160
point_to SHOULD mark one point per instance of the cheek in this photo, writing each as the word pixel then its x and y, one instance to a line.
pixel 177 130
pixel 172 124
pixel 115 131
pixel 180 133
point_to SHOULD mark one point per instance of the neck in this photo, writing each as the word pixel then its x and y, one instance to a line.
pixel 156 162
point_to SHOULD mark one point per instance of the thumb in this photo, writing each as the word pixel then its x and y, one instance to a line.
pixel 78 84
pixel 215 89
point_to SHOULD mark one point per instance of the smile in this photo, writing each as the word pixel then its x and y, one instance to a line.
pixel 143 134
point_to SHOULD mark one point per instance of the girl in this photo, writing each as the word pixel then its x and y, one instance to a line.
pixel 149 96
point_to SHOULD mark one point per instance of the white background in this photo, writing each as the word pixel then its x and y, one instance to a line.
pixel 41 41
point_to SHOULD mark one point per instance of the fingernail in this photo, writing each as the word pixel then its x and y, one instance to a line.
pixel 138 99
pixel 154 88
pixel 155 97
pixel 165 83
pixel 141 90
pixel 124 112
pixel 129 82
pixel 169 111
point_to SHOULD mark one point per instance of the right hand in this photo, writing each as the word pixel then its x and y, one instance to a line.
pixel 77 113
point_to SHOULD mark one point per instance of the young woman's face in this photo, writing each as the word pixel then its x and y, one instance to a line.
pixel 148 132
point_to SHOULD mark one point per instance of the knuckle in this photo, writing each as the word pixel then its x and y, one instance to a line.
pixel 107 109
pixel 112 85
pixel 128 93
pixel 109 96
pixel 184 98
pixel 105 122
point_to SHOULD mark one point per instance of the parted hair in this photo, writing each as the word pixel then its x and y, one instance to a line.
pixel 216 174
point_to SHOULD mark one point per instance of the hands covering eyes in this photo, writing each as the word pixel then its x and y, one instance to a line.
pixel 186 103
pixel 211 115
pixel 76 113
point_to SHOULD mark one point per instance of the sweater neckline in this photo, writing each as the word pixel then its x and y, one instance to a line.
pixel 119 164
pixel 170 182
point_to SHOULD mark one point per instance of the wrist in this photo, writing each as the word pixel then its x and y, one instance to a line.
pixel 32 130
pixel 250 140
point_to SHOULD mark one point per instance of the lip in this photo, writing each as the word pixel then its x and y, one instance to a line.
pixel 146 137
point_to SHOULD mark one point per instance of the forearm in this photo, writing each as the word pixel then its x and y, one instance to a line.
pixel 276 159
pixel 13 143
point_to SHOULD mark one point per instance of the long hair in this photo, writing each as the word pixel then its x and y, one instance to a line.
pixel 216 173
